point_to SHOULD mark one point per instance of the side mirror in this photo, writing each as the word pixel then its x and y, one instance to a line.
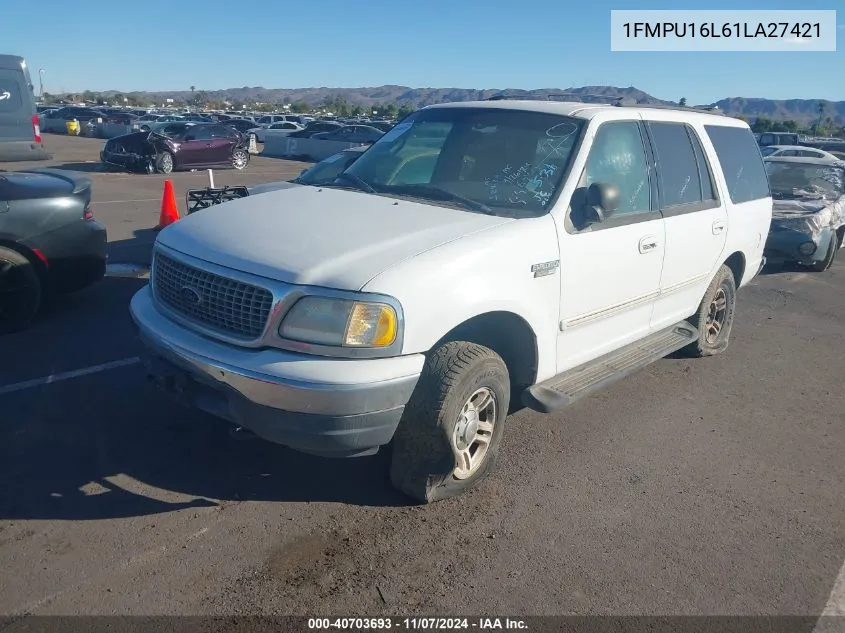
pixel 602 201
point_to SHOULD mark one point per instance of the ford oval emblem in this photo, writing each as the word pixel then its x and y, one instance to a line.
pixel 191 296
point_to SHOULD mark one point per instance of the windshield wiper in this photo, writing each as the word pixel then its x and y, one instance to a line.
pixel 358 182
pixel 436 193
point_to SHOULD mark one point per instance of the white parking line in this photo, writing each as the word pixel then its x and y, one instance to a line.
pixel 832 619
pixel 118 201
pixel 67 375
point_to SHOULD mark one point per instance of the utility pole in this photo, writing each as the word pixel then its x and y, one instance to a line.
pixel 40 83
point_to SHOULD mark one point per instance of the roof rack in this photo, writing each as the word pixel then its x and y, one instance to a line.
pixel 621 102
pixel 559 96
pixel 666 106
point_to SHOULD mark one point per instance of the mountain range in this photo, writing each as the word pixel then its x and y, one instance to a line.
pixel 803 111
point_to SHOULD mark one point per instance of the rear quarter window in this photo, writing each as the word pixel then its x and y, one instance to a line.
pixel 741 162
pixel 10 95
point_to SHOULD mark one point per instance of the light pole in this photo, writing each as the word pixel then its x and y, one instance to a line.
pixel 40 83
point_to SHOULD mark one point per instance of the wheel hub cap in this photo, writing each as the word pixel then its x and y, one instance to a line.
pixel 474 432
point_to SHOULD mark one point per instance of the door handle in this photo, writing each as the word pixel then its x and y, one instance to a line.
pixel 648 244
pixel 718 226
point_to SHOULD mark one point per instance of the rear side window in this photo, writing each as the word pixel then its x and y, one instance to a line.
pixel 708 189
pixel 677 167
pixel 10 95
pixel 741 162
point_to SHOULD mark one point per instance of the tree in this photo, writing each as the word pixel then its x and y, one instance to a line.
pixel 790 125
pixel 301 107
pixel 404 110
pixel 200 98
pixel 683 102
pixel 762 124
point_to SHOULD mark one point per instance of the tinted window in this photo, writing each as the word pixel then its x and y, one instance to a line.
pixel 199 133
pixel 617 157
pixel 708 188
pixel 767 139
pixel 221 131
pixel 677 168
pixel 768 150
pixel 10 95
pixel 741 162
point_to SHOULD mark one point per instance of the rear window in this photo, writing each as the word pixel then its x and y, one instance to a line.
pixel 741 162
pixel 10 95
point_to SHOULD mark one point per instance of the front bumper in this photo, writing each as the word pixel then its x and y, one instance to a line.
pixel 782 245
pixel 323 406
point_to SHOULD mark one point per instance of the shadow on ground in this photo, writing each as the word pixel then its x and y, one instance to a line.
pixel 110 444
pixel 135 250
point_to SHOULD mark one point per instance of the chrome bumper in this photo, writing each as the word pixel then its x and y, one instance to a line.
pixel 326 406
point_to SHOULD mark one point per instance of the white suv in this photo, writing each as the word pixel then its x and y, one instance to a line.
pixel 479 254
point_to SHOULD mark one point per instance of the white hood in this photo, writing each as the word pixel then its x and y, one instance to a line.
pixel 324 237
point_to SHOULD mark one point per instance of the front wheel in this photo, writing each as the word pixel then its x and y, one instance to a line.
pixel 164 163
pixel 715 316
pixel 20 291
pixel 452 427
pixel 240 159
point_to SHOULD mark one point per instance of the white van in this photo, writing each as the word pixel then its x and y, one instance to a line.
pixel 479 254
pixel 20 133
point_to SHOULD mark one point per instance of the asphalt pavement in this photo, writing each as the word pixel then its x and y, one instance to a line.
pixel 696 487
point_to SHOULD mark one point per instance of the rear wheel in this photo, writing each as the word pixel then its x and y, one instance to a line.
pixel 240 159
pixel 20 291
pixel 715 316
pixel 164 163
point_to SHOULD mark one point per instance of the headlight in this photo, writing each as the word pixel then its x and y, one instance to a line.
pixel 340 322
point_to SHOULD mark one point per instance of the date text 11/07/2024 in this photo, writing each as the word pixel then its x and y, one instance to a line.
pixel 413 624
pixel 727 30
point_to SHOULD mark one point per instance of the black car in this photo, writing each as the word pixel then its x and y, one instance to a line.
pixel 49 241
pixel 241 125
pixel 316 127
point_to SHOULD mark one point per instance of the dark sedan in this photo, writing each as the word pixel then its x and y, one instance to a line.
pixel 202 145
pixel 49 241
pixel 316 127
pixel 352 134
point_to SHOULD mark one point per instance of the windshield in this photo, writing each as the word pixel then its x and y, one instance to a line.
pixel 326 170
pixel 802 180
pixel 498 161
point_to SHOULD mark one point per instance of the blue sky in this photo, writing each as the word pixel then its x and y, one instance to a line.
pixel 171 45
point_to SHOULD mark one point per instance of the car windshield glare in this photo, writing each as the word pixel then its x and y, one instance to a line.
pixel 803 180
pixel 503 161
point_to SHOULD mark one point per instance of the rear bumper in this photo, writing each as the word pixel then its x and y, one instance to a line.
pixel 76 254
pixel 322 406
pixel 22 150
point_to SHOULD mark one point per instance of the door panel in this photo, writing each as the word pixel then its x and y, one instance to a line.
pixel 610 271
pixel 696 222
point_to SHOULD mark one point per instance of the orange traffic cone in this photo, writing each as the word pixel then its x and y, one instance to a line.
pixel 169 210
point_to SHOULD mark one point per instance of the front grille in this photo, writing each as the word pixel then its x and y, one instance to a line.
pixel 229 306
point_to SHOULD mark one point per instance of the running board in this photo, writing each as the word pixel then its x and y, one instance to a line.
pixel 563 389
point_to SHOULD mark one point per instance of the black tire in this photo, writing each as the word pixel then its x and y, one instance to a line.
pixel 240 159
pixel 710 313
pixel 20 291
pixel 165 162
pixel 424 464
pixel 829 256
